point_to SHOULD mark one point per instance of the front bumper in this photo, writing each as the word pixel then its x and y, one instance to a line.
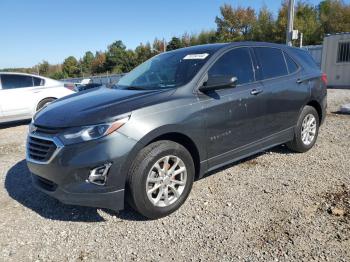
pixel 65 176
pixel 110 199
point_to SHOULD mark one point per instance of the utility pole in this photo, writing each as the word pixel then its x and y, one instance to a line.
pixel 290 23
pixel 164 45
pixel 301 40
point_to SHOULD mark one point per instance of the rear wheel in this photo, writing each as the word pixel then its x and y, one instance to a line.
pixel 160 179
pixel 44 103
pixel 306 131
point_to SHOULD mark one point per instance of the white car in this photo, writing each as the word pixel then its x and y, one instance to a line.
pixel 21 95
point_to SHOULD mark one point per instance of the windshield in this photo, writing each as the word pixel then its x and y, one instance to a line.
pixel 167 70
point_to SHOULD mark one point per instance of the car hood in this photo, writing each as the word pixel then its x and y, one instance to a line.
pixel 96 106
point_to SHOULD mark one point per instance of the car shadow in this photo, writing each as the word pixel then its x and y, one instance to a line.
pixel 340 113
pixel 281 149
pixel 19 187
pixel 14 124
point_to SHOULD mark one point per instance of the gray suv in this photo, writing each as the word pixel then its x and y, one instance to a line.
pixel 172 119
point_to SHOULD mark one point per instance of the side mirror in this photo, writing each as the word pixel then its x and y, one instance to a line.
pixel 218 82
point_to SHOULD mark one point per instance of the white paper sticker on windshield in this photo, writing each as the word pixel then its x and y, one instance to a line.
pixel 196 56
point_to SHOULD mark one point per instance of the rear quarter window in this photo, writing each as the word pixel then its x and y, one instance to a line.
pixel 305 58
pixel 271 61
pixel 38 81
pixel 291 65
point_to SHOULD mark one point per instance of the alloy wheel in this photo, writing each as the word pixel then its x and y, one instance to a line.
pixel 166 181
pixel 308 129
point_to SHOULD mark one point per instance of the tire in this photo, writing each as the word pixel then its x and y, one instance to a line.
pixel 301 143
pixel 44 103
pixel 144 175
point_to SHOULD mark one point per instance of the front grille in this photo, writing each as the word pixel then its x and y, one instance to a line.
pixel 47 130
pixel 40 149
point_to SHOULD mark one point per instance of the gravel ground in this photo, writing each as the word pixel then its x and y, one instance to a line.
pixel 275 206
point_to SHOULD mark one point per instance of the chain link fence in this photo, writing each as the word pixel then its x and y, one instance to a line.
pixel 102 79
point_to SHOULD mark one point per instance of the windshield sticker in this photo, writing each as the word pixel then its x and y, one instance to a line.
pixel 196 56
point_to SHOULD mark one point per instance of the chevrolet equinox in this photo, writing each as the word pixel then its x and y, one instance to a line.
pixel 172 119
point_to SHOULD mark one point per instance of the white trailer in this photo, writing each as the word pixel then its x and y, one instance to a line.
pixel 336 59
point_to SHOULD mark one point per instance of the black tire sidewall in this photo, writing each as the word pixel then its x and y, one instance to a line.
pixel 139 177
pixel 43 102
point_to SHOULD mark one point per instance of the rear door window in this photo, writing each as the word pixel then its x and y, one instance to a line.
pixel 16 81
pixel 272 63
pixel 234 63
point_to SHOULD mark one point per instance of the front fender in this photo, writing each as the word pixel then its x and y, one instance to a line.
pixel 159 132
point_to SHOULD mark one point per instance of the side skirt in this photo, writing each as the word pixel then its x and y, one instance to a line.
pixel 247 150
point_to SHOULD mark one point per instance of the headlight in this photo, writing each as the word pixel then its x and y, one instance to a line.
pixel 88 133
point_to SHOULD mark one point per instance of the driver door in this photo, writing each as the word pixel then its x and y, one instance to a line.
pixel 232 114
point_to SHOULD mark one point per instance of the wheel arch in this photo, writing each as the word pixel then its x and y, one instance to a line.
pixel 186 142
pixel 318 108
pixel 167 133
pixel 42 99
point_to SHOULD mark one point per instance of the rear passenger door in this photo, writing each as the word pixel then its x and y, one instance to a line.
pixel 16 96
pixel 283 96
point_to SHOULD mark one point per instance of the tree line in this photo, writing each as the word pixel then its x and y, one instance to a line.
pixel 232 24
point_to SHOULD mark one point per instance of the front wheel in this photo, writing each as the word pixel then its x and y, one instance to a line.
pixel 44 102
pixel 160 179
pixel 306 131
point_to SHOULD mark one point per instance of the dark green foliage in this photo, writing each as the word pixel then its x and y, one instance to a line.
pixel 98 64
pixel 86 62
pixel 334 16
pixel 144 52
pixel 175 43
pixel 58 75
pixel 115 56
pixel 44 68
pixel 264 28
pixel 235 24
pixel 306 21
pixel 71 67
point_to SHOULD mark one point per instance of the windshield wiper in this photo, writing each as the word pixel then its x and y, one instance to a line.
pixel 135 88
pixel 131 87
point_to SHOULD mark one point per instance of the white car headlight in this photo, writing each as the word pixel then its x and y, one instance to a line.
pixel 88 133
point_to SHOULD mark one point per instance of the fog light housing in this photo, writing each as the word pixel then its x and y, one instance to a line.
pixel 98 175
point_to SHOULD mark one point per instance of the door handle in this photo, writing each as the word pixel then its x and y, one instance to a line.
pixel 299 81
pixel 256 91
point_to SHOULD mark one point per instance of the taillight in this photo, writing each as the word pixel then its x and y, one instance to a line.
pixel 70 86
pixel 324 78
